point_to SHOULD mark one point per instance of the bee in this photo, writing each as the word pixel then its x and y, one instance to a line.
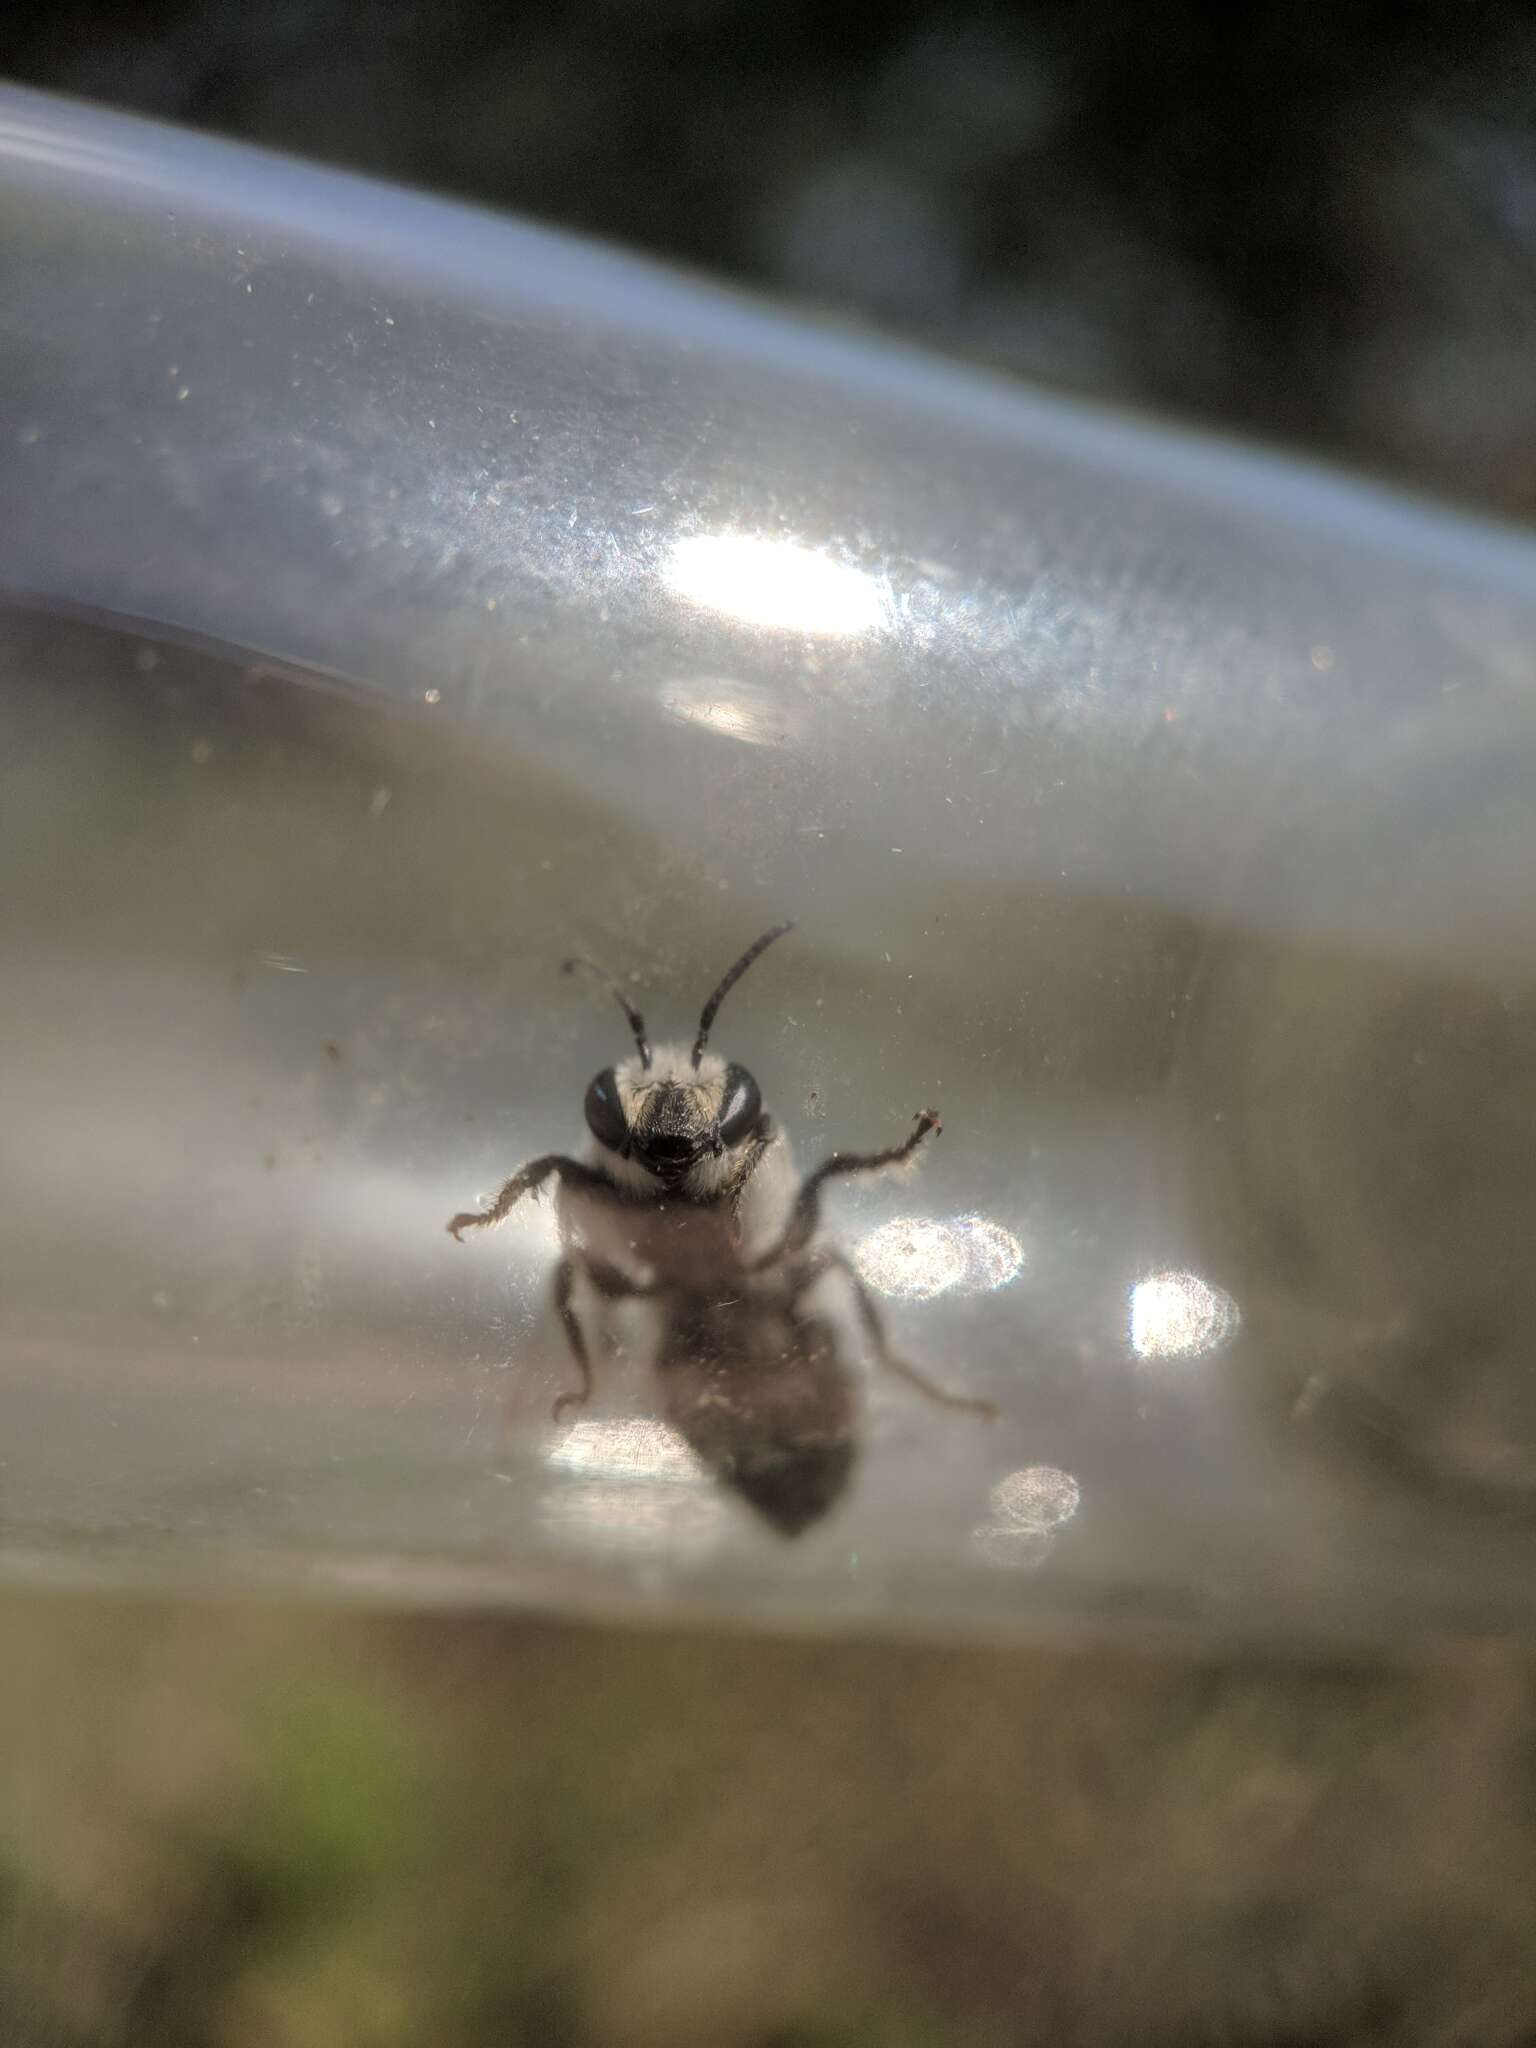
pixel 687 1199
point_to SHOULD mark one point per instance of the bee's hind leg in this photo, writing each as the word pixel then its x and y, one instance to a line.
pixel 831 1259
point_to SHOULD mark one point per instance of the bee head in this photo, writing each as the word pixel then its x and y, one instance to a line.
pixel 672 1114
pixel 674 1108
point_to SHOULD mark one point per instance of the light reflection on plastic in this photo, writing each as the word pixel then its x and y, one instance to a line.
pixel 1039 1497
pixel 915 1257
pixel 1018 1550
pixel 912 1257
pixel 992 1255
pixel 766 582
pixel 632 1448
pixel 666 1520
pixel 730 710
pixel 1179 1315
pixel 1028 1507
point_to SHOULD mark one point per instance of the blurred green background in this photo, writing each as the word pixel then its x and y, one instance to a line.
pixel 281 1830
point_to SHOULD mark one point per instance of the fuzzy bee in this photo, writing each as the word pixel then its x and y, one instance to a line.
pixel 687 1200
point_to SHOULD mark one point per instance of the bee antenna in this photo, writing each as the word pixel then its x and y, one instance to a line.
pixel 712 1006
pixel 632 1016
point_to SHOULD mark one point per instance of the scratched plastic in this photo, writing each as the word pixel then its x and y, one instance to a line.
pixel 399 600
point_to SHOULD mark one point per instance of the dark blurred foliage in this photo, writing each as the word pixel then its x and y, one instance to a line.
pixel 1317 225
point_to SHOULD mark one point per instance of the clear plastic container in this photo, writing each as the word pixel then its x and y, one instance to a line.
pixel 400 600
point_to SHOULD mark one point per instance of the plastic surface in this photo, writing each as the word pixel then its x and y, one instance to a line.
pixel 1160 812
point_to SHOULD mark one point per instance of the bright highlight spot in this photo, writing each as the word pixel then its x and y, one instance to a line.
pixel 1179 1315
pixel 992 1255
pixel 1039 1497
pixel 915 1257
pixel 1028 1507
pixel 635 1521
pixel 773 583
pixel 629 1449
pixel 635 1489
pixel 910 1257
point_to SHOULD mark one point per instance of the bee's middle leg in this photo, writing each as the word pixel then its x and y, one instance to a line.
pixel 611 1285
pixel 575 1336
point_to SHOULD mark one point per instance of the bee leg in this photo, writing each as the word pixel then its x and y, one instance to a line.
pixel 757 1151
pixel 612 1285
pixel 572 1173
pixel 880 1343
pixel 565 1280
pixel 805 1217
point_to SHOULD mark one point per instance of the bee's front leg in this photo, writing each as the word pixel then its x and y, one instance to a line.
pixel 572 1173
pixel 805 1217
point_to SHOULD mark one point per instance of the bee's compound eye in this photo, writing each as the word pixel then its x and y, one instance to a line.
pixel 740 1106
pixel 605 1119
